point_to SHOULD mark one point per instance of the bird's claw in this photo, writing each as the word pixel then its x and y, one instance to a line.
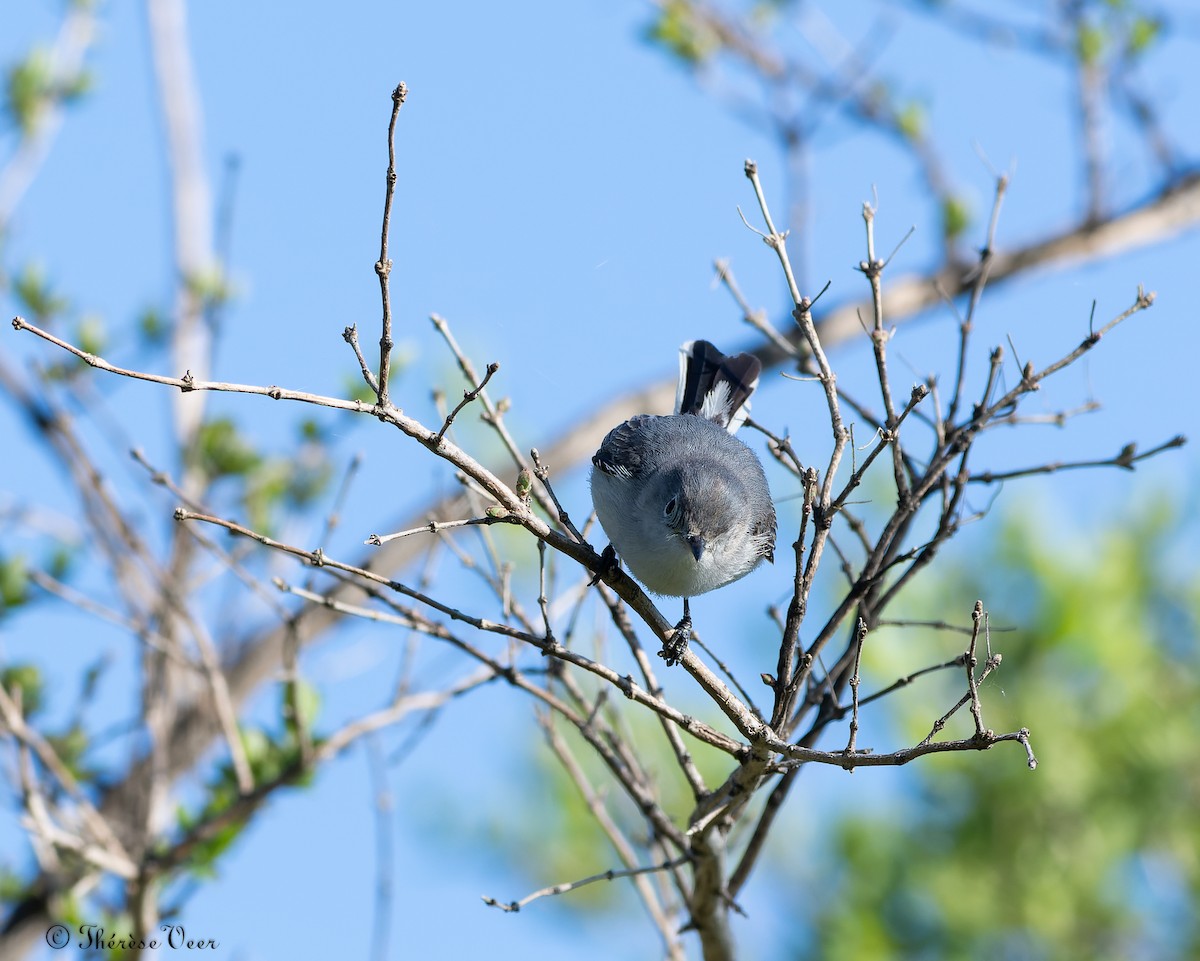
pixel 608 565
pixel 673 648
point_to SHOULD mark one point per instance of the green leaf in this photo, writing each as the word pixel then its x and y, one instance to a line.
pixel 272 483
pixel 90 335
pixel 1143 32
pixel 58 564
pixel 14 582
pixel 911 120
pixel 31 88
pixel 221 451
pixel 28 88
pixel 356 389
pixel 312 431
pixel 301 700
pixel 307 479
pixel 27 679
pixel 33 291
pixel 13 888
pixel 152 326
pixel 212 286
pixel 71 745
pixel 956 217
pixel 1090 43
pixel 683 34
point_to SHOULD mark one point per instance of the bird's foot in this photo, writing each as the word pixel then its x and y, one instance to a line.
pixel 608 565
pixel 673 648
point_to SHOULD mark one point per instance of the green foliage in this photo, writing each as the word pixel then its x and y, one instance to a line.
pixel 71 746
pixel 13 888
pixel 265 491
pixel 956 217
pixel 1091 41
pixel 271 761
pixel 58 563
pixel 302 703
pixel 311 430
pixel 1143 32
pixel 277 481
pixel 90 335
pixel 36 296
pixel 222 451
pixel 556 820
pixel 153 327
pixel 268 483
pixel 27 88
pixel 356 389
pixel 912 119
pixel 31 87
pixel 682 34
pixel 14 582
pixel 1117 27
pixel 211 286
pixel 27 679
pixel 1094 855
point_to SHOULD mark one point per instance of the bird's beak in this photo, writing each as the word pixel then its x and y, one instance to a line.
pixel 696 543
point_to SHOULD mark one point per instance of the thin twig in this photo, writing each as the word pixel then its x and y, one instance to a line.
pixel 551 648
pixel 872 268
pixel 904 682
pixel 492 412
pixel 982 272
pixel 978 615
pixel 99 828
pixel 377 540
pixel 382 809
pixel 350 336
pixel 542 472
pixel 860 635
pixel 610 875
pixel 383 266
pixel 1126 458
pixel 617 838
pixel 468 396
pixel 755 318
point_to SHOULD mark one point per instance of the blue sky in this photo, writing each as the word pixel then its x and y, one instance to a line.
pixel 563 191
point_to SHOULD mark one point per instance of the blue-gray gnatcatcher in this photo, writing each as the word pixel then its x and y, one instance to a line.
pixel 685 503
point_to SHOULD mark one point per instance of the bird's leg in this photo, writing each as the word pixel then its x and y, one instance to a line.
pixel 608 565
pixel 672 650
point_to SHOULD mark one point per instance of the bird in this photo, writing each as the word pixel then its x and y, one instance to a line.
pixel 684 503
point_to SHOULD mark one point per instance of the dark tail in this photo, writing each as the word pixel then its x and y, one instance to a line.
pixel 715 386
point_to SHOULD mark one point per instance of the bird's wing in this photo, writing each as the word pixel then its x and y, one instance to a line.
pixel 622 453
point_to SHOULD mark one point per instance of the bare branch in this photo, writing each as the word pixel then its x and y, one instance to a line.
pixel 383 266
pixel 10 714
pixel 610 875
pixel 350 336
pixel 468 396
pixel 1126 458
pixel 621 844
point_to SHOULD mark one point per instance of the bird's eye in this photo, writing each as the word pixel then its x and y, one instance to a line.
pixel 670 508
